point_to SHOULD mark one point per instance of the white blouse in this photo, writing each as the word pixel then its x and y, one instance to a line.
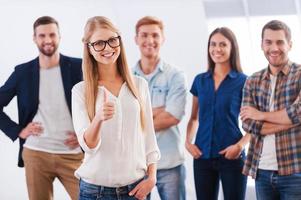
pixel 124 151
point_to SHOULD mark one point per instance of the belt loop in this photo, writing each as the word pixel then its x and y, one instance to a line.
pixel 101 190
pixel 129 187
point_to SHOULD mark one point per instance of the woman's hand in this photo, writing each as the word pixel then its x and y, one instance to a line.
pixel 106 110
pixel 193 150
pixel 232 152
pixel 143 188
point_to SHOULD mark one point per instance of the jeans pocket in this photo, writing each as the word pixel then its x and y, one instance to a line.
pixel 87 190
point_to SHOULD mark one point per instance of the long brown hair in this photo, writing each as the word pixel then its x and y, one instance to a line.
pixel 90 69
pixel 234 54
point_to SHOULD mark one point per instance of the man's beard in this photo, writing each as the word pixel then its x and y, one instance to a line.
pixel 48 53
pixel 279 64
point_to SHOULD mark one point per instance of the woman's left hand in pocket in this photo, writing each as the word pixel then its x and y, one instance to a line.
pixel 232 152
pixel 143 188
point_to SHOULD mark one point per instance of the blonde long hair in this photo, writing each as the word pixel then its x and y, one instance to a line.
pixel 90 69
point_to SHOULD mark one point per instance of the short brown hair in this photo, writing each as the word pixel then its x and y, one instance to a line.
pixel 276 25
pixel 149 20
pixel 43 21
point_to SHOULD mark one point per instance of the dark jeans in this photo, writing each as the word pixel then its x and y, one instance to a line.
pixel 271 186
pixel 89 191
pixel 208 172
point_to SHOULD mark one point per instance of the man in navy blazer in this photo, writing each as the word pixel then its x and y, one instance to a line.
pixel 45 130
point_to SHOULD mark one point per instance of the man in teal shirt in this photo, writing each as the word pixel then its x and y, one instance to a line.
pixel 168 91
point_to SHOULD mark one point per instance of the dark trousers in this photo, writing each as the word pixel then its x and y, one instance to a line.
pixel 208 172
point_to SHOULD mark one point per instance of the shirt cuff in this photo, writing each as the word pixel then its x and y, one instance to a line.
pixel 293 113
pixel 258 126
pixel 15 132
pixel 252 126
pixel 176 111
pixel 84 146
pixel 153 157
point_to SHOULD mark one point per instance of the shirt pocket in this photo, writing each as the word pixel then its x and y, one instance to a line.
pixel 159 94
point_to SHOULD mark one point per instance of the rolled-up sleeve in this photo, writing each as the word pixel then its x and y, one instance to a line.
pixel 151 147
pixel 250 126
pixel 80 117
pixel 176 97
pixel 294 110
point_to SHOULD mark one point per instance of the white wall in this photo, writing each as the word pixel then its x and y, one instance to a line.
pixel 185 46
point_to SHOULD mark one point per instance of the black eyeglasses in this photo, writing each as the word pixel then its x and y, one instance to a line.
pixel 100 45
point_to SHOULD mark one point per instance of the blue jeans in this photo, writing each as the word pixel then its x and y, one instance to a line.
pixel 171 183
pixel 271 186
pixel 208 172
pixel 89 191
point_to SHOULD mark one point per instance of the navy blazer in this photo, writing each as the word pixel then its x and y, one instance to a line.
pixel 24 84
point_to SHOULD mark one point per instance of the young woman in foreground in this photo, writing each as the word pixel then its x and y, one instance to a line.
pixel 112 117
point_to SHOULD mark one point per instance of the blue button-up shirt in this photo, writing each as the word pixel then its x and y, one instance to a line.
pixel 218 112
pixel 168 88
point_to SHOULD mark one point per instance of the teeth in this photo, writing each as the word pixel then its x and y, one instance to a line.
pixel 149 46
pixel 108 55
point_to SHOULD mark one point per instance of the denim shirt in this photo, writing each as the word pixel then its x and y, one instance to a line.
pixel 218 112
pixel 168 88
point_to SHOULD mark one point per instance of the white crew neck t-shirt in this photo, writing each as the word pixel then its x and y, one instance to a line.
pixel 53 114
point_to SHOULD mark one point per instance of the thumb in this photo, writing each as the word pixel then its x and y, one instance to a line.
pixel 105 95
pixel 223 151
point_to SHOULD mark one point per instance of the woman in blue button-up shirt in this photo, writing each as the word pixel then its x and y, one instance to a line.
pixel 218 150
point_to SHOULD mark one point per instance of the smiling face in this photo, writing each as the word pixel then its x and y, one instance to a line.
pixel 219 49
pixel 275 47
pixel 47 38
pixel 149 38
pixel 108 55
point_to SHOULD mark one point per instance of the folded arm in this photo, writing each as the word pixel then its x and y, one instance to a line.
pixel 174 109
pixel 164 120
pixel 276 117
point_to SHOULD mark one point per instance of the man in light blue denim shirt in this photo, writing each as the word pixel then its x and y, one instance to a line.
pixel 168 91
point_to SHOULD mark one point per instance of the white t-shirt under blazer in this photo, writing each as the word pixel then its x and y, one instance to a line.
pixel 124 151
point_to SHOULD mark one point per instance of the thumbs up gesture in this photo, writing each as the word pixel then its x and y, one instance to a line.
pixel 107 108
